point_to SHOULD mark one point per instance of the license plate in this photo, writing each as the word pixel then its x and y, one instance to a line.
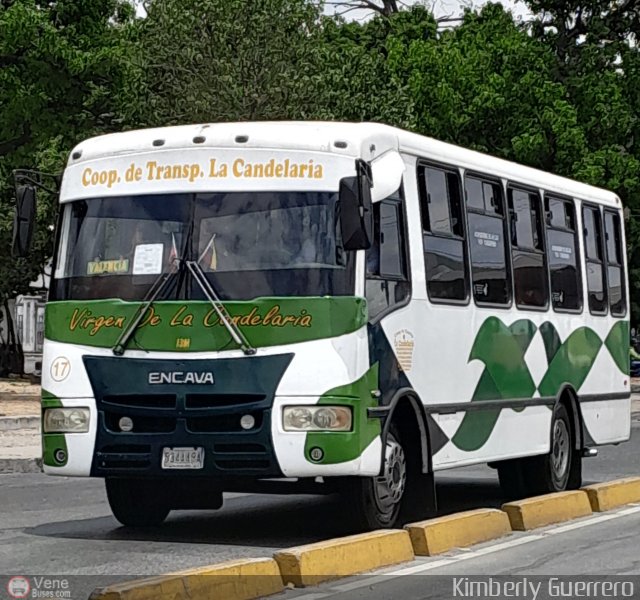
pixel 182 458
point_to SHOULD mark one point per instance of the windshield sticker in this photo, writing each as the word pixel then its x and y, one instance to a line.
pixel 147 259
pixel 240 168
pixel 102 267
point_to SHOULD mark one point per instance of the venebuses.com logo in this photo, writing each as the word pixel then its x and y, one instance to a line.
pixel 18 587
pixel 39 587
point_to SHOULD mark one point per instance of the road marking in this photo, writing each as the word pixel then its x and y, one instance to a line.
pixel 423 567
pixel 593 521
pixel 459 558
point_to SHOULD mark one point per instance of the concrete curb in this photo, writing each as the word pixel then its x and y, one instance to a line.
pixel 233 580
pixel 612 494
pixel 459 530
pixel 20 465
pixel 13 423
pixel 341 557
pixel 546 510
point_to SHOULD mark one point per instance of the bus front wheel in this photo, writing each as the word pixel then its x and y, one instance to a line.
pixel 375 502
pixel 136 502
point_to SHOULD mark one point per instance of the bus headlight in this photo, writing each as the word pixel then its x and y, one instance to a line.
pixel 66 420
pixel 317 418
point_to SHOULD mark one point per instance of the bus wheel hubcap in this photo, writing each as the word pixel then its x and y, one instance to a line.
pixel 390 486
pixel 560 453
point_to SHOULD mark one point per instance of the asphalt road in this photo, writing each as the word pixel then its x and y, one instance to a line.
pixel 63 526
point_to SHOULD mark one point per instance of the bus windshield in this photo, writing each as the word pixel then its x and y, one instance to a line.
pixel 249 244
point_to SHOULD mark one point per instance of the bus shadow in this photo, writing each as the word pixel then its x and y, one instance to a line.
pixel 261 521
pixel 265 521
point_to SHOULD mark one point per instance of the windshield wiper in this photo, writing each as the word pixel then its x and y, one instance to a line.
pixel 223 315
pixel 152 295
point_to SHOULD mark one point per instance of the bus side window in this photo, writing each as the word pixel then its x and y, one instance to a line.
pixel 443 235
pixel 562 245
pixel 594 257
pixel 527 249
pixel 387 281
pixel 487 248
pixel 615 278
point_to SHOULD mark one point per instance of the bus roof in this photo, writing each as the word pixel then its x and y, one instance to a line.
pixel 365 140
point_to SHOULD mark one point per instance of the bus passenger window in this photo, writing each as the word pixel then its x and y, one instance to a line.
pixel 562 252
pixel 443 235
pixel 487 228
pixel 594 258
pixel 527 250
pixel 387 281
pixel 615 276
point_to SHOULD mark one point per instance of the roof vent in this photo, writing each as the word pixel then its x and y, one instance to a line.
pixel 158 142
pixel 199 139
pixel 340 144
pixel 76 155
pixel 242 139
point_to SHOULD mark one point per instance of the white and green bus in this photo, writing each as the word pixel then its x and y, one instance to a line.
pixel 325 306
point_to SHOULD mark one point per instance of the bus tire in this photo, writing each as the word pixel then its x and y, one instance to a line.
pixel 136 502
pixel 375 502
pixel 552 472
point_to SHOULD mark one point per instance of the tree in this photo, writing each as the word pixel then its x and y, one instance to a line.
pixel 598 62
pixel 64 72
pixel 487 85
pixel 226 60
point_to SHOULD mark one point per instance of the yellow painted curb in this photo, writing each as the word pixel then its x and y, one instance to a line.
pixel 232 580
pixel 611 494
pixel 545 510
pixel 458 530
pixel 341 557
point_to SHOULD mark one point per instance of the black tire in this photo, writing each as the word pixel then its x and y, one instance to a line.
pixel 375 502
pixel 555 471
pixel 136 502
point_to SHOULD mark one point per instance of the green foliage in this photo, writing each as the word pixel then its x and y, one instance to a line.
pixel 559 94
pixel 63 68
pixel 226 60
pixel 488 85
pixel 599 66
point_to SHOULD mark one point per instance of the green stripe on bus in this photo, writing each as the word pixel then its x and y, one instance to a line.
pixel 506 374
pixel 195 327
pixel 339 447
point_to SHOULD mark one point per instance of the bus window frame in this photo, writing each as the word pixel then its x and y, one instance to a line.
pixel 603 261
pixel 622 265
pixel 576 237
pixel 506 242
pixel 421 165
pixel 407 247
pixel 515 185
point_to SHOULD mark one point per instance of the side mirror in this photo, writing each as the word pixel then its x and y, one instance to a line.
pixel 356 216
pixel 24 220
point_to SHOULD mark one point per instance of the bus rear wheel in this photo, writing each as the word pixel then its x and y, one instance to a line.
pixel 375 502
pixel 552 472
pixel 558 470
pixel 136 502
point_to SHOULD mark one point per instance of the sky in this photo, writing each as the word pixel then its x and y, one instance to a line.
pixel 441 8
pixel 454 8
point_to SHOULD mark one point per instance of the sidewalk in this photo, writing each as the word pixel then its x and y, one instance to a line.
pixel 20 445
